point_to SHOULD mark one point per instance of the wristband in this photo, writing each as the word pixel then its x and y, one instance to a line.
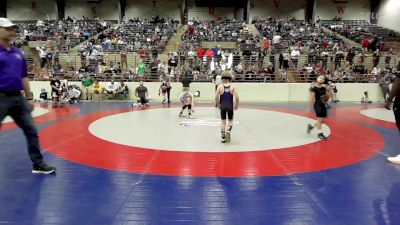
pixel 29 99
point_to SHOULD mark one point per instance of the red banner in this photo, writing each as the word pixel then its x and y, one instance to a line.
pixel 93 10
pixel 34 5
pixel 340 9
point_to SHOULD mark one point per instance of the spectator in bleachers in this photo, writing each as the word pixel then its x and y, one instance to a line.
pixel 389 56
pixel 365 44
pixel 295 55
pixel 57 68
pixel 124 60
pixel 376 58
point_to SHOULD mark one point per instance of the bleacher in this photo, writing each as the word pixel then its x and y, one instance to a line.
pixel 357 30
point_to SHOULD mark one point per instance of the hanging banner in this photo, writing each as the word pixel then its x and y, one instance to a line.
pixel 34 5
pixel 340 9
pixel 277 3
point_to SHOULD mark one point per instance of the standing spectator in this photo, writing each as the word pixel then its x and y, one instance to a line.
pixel 14 79
pixel 172 63
pixel 217 81
pixel 286 58
pixel 265 46
pixel 384 82
pixel 276 41
pixel 210 53
pixel 200 52
pixel 376 57
pixel 124 57
pixel 141 70
pixel 388 57
pixel 365 44
pixel 186 80
pixel 57 68
pixel 87 85
pixel 295 54
pixel 42 55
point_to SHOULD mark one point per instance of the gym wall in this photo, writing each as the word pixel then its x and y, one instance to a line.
pixel 254 92
pixel 281 8
pixel 353 10
pixel 31 10
pixel 389 14
pixel 149 8
pixel 107 10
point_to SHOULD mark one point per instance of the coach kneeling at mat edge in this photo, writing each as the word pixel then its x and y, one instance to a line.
pixel 142 94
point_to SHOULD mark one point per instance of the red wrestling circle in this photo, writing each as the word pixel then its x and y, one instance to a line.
pixel 79 145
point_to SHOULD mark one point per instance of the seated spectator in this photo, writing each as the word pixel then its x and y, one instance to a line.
pixel 123 89
pixel 97 89
pixel 111 89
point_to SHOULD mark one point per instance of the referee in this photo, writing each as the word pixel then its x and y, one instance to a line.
pixel 14 79
pixel 395 94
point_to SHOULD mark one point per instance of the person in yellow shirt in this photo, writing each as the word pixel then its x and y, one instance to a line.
pixel 97 89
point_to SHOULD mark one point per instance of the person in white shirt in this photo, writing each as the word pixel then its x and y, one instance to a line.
pixel 230 61
pixel 276 40
pixel 42 55
pixel 295 54
pixel 111 89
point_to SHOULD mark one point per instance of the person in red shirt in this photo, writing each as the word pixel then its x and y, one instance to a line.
pixel 142 53
pixel 319 69
pixel 210 53
pixel 200 52
pixel 265 45
pixel 191 30
pixel 365 44
pixel 325 44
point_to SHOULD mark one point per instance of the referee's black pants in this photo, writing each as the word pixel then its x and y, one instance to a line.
pixel 17 107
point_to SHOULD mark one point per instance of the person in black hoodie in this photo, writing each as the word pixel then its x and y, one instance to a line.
pixel 186 80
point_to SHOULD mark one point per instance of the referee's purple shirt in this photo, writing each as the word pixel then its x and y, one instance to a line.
pixel 12 69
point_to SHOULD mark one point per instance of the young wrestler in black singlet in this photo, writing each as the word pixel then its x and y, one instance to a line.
pixel 319 95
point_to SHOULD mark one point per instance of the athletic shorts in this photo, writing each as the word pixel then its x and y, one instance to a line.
pixel 320 110
pixel 227 111
pixel 56 94
pixel 142 101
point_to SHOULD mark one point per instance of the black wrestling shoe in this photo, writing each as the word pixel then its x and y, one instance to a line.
pixel 309 128
pixel 223 138
pixel 322 136
pixel 43 169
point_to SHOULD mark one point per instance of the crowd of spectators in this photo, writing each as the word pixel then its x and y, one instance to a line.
pixel 281 45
